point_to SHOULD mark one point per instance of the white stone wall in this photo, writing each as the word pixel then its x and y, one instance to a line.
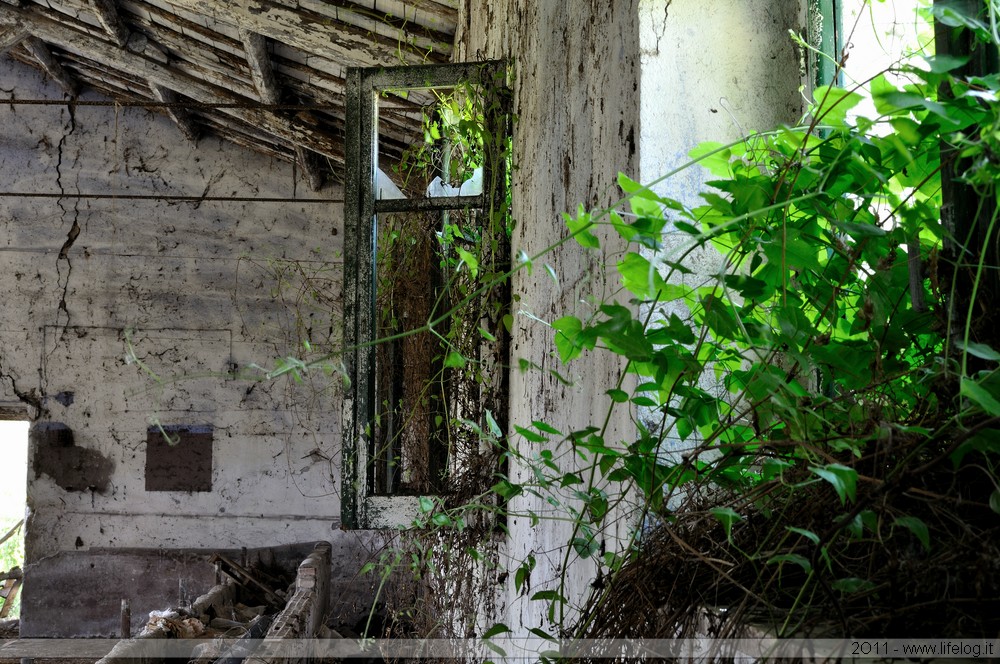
pixel 195 284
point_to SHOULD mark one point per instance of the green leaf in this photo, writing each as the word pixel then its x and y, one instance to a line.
pixel 441 519
pixel 714 157
pixel 982 351
pixel 852 584
pixel 506 489
pixel 470 260
pixel 580 228
pixel 727 516
pixel 980 396
pixel 426 504
pixel 618 396
pixel 808 534
pixel 801 561
pixel 498 628
pixel 916 526
pixel 833 103
pixel 548 596
pixel 492 424
pixel 569 341
pixel 995 501
pixel 454 360
pixel 530 435
pixel 643 279
pixel 843 479
pixel 547 428
pixel 941 64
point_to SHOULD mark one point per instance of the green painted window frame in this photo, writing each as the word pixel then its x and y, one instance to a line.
pixel 365 86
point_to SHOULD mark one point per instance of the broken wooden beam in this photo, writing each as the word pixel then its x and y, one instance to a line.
pixel 111 21
pixel 37 48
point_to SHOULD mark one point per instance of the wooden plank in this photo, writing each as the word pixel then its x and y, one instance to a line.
pixel 255 46
pixel 315 33
pixel 181 118
pixel 56 72
pixel 107 14
pixel 308 162
pixel 293 129
pixel 11 36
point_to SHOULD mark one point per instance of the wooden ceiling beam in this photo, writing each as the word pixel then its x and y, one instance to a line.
pixel 111 20
pixel 255 46
pixel 181 117
pixel 38 50
pixel 342 40
pixel 11 36
pixel 293 130
pixel 309 162
pixel 269 91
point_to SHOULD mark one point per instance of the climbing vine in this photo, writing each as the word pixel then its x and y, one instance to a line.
pixel 817 421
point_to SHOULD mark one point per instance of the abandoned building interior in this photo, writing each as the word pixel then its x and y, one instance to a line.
pixel 186 196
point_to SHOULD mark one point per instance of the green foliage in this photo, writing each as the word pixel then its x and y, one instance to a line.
pixel 844 378
pixel 12 553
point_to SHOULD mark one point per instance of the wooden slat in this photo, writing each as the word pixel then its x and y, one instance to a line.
pixel 56 72
pixel 107 54
pixel 181 118
pixel 308 162
pixel 11 36
pixel 255 46
pixel 316 33
pixel 107 14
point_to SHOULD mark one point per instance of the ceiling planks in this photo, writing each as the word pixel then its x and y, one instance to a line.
pixel 249 56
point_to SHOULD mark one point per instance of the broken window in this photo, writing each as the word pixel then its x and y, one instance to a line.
pixel 427 255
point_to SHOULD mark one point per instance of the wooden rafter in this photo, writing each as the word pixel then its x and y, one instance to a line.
pixel 353 37
pixel 269 91
pixel 111 20
pixel 181 118
pixel 261 70
pixel 293 129
pixel 11 36
pixel 37 48
pixel 308 161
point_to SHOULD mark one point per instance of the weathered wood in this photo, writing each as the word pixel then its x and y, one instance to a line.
pixel 56 72
pixel 293 130
pixel 255 46
pixel 308 162
pixel 181 118
pixel 11 36
pixel 107 14
pixel 140 44
pixel 339 39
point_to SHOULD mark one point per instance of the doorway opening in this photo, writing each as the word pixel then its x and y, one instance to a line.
pixel 13 494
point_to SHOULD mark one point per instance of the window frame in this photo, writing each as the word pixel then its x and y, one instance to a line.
pixel 359 507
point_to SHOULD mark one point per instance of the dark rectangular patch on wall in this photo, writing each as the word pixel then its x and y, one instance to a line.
pixel 184 463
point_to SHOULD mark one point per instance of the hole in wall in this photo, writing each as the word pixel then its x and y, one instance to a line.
pixel 13 493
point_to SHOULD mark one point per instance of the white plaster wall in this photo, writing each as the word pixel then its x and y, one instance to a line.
pixel 195 283
pixel 602 88
pixel 576 100
pixel 712 71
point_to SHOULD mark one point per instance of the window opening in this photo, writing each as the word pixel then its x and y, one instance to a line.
pixel 13 493
pixel 426 265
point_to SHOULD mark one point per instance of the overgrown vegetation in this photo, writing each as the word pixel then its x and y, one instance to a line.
pixel 818 423
pixel 11 554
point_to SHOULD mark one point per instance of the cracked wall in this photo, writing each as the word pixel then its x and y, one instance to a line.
pixel 132 311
